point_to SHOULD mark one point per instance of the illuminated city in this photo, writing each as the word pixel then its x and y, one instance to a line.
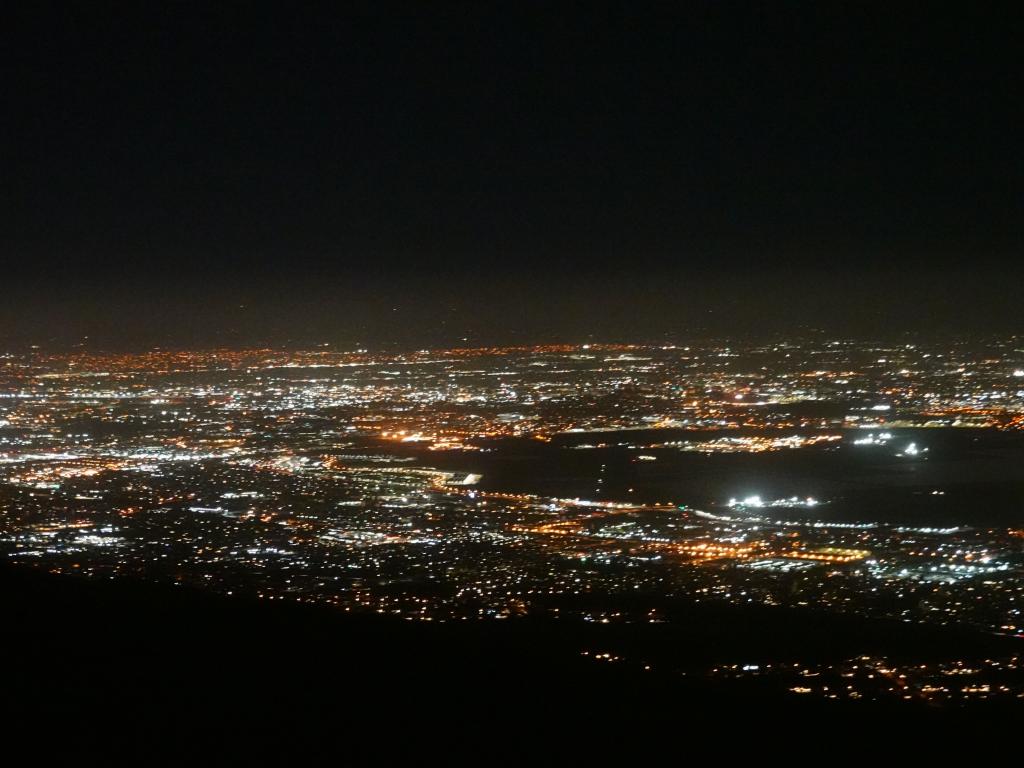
pixel 363 481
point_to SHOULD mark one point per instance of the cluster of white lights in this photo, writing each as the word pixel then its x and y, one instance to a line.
pixel 880 439
pixel 912 450
pixel 757 502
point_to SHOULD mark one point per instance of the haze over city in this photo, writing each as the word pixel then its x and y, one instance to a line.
pixel 402 173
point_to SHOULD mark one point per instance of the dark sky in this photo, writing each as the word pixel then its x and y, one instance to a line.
pixel 422 172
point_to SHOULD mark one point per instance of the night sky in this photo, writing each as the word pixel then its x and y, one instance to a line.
pixel 423 173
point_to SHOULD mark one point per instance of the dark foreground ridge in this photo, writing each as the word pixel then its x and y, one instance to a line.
pixel 127 660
